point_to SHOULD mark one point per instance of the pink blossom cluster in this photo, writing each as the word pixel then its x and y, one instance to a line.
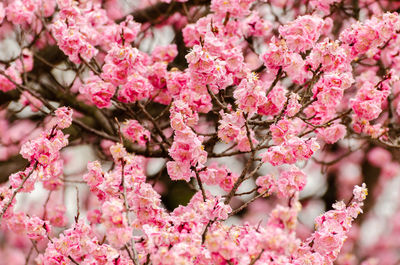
pixel 46 165
pixel 74 43
pixel 45 150
pixel 122 67
pixel 236 8
pixel 250 95
pixel 34 227
pixel 9 83
pixel 288 183
pixel 367 106
pixel 243 120
pixel 368 36
pixel 135 132
pixel 79 244
pixel 182 115
pixel 331 227
pixel 302 33
pixel 207 68
pixel 290 151
pixel 98 91
pixel 220 175
pixel 14 135
pixel 12 74
pixel 23 12
pixel 232 128
pixel 187 151
pixel 323 5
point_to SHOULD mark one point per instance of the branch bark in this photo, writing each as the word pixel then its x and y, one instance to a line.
pixel 162 10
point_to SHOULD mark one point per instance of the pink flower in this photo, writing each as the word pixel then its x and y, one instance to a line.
pixel 378 156
pixel 51 175
pixel 216 174
pixel 188 147
pixel 127 30
pixel 302 33
pixel 118 152
pixel 297 69
pixel 257 26
pixel 113 213
pixel 361 37
pixel 277 54
pixel 228 181
pixel 136 88
pixel 21 12
pixel 332 227
pixel 360 193
pixel 94 216
pixel 237 8
pixel 18 223
pixel 48 7
pixel 16 180
pixel 135 132
pixel 368 101
pixel 98 91
pixel 290 182
pixel 26 63
pixel 5 83
pixel 290 151
pixel 323 5
pixel 2 13
pixel 57 215
pixel 276 155
pixel 325 242
pixel 368 110
pixel 250 95
pixel 282 131
pixel 64 117
pixel 200 60
pixel 232 128
pixel 328 56
pixel 333 133
pixel 286 185
pixel 275 101
pixel 72 42
pixel 165 54
pixel 95 175
pixel 182 115
pixel 36 228
pixel 294 105
pixel 45 149
pixel 266 183
pixel 179 170
pixel 120 63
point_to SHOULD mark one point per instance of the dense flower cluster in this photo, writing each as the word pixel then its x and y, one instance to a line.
pixel 219 131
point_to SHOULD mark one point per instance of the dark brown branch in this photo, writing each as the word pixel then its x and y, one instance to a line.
pixel 162 10
pixel 247 203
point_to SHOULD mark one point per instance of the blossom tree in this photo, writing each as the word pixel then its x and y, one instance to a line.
pixel 236 132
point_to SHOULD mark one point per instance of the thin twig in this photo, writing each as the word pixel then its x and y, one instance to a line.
pixel 17 190
pixel 247 204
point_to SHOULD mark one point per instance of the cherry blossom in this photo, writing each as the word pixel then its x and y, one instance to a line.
pixel 240 132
